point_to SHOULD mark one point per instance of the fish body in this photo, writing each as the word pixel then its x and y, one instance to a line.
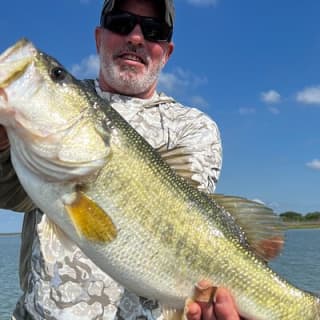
pixel 111 193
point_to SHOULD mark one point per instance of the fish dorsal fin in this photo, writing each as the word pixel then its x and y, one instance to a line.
pixel 262 227
pixel 179 159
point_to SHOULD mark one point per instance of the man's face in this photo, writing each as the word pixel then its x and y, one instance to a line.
pixel 129 64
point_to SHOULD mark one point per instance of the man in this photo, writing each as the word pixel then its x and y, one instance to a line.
pixel 58 281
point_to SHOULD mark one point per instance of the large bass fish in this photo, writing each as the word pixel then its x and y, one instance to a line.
pixel 111 193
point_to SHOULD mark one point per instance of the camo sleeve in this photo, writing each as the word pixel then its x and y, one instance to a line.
pixel 12 195
pixel 200 137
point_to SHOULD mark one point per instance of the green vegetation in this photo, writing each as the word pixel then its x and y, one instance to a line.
pixel 293 219
pixel 295 216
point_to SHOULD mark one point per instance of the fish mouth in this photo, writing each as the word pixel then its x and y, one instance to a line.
pixel 14 62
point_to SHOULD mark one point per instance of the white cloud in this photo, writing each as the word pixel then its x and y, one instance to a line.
pixel 246 111
pixel 168 82
pixel 189 78
pixel 87 68
pixel 274 110
pixel 275 206
pixel 203 3
pixel 272 205
pixel 270 96
pixel 309 95
pixel 180 80
pixel 314 164
pixel 198 101
pixel 258 201
pixel 183 84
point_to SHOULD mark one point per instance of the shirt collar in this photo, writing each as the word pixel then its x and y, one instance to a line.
pixel 114 97
pixel 145 103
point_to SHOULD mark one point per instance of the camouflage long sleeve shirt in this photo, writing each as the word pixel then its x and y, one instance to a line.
pixel 59 282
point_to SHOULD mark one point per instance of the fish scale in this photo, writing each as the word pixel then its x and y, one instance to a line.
pixel 200 264
pixel 125 207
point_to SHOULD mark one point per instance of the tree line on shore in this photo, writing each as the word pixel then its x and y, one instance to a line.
pixel 292 216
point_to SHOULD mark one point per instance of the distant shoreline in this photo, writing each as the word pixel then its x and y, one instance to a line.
pixel 301 225
pixel 10 234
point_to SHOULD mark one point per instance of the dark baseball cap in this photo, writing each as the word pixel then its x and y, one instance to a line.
pixel 169 13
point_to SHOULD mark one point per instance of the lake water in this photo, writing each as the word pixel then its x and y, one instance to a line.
pixel 299 263
pixel 9 285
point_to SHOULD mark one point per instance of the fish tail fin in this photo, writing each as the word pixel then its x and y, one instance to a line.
pixel 317 307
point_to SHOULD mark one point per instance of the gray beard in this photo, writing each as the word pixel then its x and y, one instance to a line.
pixel 125 80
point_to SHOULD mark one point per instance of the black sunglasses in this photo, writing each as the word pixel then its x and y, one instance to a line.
pixel 123 22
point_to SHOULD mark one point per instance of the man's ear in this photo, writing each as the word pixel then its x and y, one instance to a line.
pixel 169 50
pixel 97 35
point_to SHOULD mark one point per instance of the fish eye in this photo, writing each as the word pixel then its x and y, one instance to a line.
pixel 58 74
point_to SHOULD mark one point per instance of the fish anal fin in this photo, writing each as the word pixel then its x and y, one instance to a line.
pixel 90 220
pixel 262 227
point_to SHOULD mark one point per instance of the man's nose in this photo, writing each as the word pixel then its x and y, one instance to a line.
pixel 136 35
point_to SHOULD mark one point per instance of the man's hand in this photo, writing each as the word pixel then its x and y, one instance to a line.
pixel 4 142
pixel 222 308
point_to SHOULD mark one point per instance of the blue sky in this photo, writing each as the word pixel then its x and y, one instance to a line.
pixel 253 66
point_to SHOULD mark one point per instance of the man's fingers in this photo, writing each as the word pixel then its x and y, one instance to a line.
pixel 204 291
pixel 203 296
pixel 225 307
pixel 193 311
pixel 211 303
pixel 207 311
pixel 200 311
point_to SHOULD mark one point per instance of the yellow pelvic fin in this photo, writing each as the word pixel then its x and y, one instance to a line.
pixel 90 220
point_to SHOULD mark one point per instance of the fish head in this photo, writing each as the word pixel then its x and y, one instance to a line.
pixel 37 89
pixel 47 112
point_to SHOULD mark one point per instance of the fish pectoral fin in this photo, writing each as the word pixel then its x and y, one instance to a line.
pixel 90 220
pixel 172 314
pixel 263 228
